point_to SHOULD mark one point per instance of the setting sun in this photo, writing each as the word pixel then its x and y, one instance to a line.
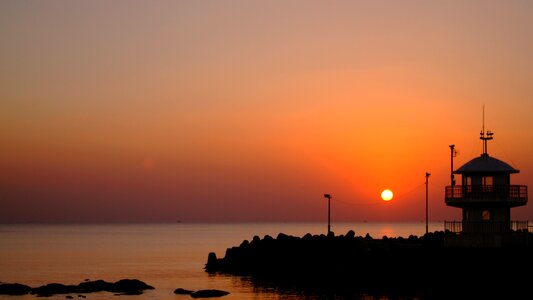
pixel 386 195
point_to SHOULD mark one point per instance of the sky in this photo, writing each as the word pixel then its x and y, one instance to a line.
pixel 249 111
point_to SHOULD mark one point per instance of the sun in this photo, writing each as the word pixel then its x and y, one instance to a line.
pixel 386 195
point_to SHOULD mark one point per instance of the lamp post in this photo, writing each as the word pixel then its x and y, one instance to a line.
pixel 452 155
pixel 328 196
pixel 452 177
pixel 427 176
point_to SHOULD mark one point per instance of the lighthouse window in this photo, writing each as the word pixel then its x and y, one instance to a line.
pixel 486 215
pixel 487 184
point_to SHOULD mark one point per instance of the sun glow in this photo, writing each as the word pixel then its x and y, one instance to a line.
pixel 386 195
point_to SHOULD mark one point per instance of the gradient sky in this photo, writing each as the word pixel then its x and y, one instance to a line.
pixel 144 111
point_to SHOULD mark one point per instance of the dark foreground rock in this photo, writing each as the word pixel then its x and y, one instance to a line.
pixel 95 286
pixel 130 286
pixel 209 294
pixel 14 289
pixel 55 288
pixel 180 291
pixel 124 286
pixel 413 267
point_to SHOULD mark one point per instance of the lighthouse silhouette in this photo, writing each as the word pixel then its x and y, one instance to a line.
pixel 486 197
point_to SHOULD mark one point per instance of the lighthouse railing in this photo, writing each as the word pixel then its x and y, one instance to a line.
pixel 485 226
pixel 511 193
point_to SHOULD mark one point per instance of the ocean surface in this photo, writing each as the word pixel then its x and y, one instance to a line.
pixel 166 256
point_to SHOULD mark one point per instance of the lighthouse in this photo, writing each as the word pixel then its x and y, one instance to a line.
pixel 485 195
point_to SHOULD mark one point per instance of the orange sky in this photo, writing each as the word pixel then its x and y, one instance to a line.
pixel 136 111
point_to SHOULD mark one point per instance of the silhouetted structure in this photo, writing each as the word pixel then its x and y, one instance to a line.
pixel 486 197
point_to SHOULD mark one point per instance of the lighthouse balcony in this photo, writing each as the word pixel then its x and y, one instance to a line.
pixel 466 195
pixel 485 226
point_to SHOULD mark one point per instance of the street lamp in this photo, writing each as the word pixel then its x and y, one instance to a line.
pixel 427 176
pixel 328 196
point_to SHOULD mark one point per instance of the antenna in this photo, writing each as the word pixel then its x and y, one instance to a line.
pixel 485 136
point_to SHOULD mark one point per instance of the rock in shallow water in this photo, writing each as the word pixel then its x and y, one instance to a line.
pixel 130 286
pixel 209 294
pixel 124 286
pixel 54 288
pixel 180 291
pixel 14 289
pixel 94 286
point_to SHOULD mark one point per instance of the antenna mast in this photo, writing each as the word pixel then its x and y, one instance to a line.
pixel 485 136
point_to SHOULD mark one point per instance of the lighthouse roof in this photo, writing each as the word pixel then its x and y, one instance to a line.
pixel 485 164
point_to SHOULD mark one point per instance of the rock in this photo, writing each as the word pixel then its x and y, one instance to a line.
pixel 95 286
pixel 180 291
pixel 14 289
pixel 69 297
pixel 212 258
pixel 123 287
pixel 350 234
pixel 53 289
pixel 129 286
pixel 209 294
pixel 268 238
pixel 129 293
pixel 212 262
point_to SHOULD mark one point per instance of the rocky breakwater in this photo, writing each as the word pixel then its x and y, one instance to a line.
pixel 405 266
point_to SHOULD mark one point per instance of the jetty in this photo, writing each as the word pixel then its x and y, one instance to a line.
pixel 413 266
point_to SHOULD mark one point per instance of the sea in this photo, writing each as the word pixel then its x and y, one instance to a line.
pixel 166 256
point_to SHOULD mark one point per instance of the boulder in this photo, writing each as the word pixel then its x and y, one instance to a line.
pixel 129 286
pixel 53 289
pixel 180 291
pixel 94 286
pixel 209 294
pixel 122 287
pixel 14 289
pixel 130 293
pixel 212 258
pixel 350 234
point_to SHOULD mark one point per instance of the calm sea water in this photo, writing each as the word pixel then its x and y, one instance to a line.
pixel 166 256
